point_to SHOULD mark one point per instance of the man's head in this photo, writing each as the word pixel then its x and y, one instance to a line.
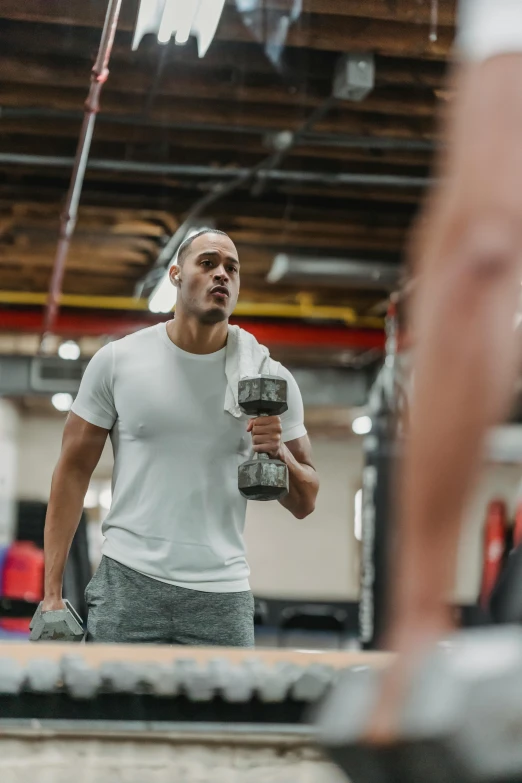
pixel 206 275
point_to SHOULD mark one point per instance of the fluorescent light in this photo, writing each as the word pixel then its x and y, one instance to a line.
pixel 164 297
pixel 182 17
pixel 357 520
pixel 186 17
pixel 169 21
pixel 206 23
pixel 357 272
pixel 62 401
pixel 149 20
pixel 362 425
pixel 69 350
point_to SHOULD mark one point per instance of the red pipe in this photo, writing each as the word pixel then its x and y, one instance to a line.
pixel 280 334
pixel 99 75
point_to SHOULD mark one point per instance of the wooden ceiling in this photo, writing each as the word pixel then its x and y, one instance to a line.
pixel 192 122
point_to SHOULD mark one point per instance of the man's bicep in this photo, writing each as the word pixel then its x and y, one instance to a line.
pixel 301 449
pixel 82 444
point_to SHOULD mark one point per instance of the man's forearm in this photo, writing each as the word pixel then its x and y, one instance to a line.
pixel 304 486
pixel 63 516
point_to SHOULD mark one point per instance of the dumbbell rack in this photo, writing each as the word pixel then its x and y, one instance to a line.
pixel 79 682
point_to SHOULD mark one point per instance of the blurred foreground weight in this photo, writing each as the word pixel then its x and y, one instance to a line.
pixel 461 720
pixel 62 625
pixel 263 478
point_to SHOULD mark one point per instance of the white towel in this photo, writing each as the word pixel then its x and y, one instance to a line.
pixel 245 358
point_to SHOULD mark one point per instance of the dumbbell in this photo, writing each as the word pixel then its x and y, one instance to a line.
pixel 461 720
pixel 263 478
pixel 60 625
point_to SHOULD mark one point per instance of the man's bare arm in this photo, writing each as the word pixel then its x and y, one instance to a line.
pixel 304 481
pixel 82 445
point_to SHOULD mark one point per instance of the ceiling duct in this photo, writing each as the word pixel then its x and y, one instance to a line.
pixel 334 271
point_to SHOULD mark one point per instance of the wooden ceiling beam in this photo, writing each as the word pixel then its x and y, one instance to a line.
pixel 37 215
pixel 216 84
pixel 24 131
pixel 315 31
pixel 267 103
pixel 76 12
pixel 382 117
pixel 409 11
pixel 241 63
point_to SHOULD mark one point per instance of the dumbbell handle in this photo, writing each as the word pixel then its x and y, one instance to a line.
pixel 262 455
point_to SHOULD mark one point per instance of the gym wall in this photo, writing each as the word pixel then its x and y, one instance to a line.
pixel 315 557
pixel 40 440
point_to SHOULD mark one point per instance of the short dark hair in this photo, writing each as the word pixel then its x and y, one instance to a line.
pixel 185 245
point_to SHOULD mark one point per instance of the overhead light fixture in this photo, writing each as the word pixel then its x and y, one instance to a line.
pixel 362 425
pixel 69 350
pixel 358 273
pixel 164 296
pixel 181 18
pixel 62 401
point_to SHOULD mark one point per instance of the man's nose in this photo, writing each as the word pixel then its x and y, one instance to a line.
pixel 221 273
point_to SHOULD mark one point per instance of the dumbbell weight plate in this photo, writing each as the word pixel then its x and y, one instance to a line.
pixel 62 625
pixel 263 479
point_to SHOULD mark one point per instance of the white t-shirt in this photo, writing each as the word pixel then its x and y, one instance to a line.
pixel 488 28
pixel 176 513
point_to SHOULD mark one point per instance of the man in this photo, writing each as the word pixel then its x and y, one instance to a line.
pixel 469 254
pixel 173 567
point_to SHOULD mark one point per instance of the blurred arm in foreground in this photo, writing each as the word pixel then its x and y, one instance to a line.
pixel 467 252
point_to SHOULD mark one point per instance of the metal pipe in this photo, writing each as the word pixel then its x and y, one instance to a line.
pixel 272 334
pixel 212 172
pixel 99 76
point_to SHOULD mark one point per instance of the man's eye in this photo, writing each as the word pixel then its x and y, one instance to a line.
pixel 232 269
pixel 207 261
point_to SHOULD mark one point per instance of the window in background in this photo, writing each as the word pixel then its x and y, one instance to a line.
pixel 357 525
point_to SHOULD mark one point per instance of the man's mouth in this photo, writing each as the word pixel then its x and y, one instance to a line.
pixel 219 290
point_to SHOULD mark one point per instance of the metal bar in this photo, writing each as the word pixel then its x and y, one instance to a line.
pixel 312 139
pixel 302 309
pixel 193 731
pixel 212 172
pixel 99 76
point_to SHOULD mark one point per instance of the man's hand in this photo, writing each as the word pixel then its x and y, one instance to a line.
pixel 411 643
pixel 52 604
pixel 266 435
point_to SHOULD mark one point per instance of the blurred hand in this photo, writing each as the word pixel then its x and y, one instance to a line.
pixel 266 435
pixel 410 644
pixel 52 604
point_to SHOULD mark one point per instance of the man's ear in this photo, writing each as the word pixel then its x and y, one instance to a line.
pixel 174 273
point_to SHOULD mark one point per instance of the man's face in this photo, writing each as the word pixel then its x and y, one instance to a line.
pixel 210 278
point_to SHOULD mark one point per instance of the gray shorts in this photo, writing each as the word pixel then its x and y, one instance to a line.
pixel 125 607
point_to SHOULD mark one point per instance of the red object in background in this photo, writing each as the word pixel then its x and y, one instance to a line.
pixel 517 529
pixel 494 548
pixel 23 578
pixel 280 333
